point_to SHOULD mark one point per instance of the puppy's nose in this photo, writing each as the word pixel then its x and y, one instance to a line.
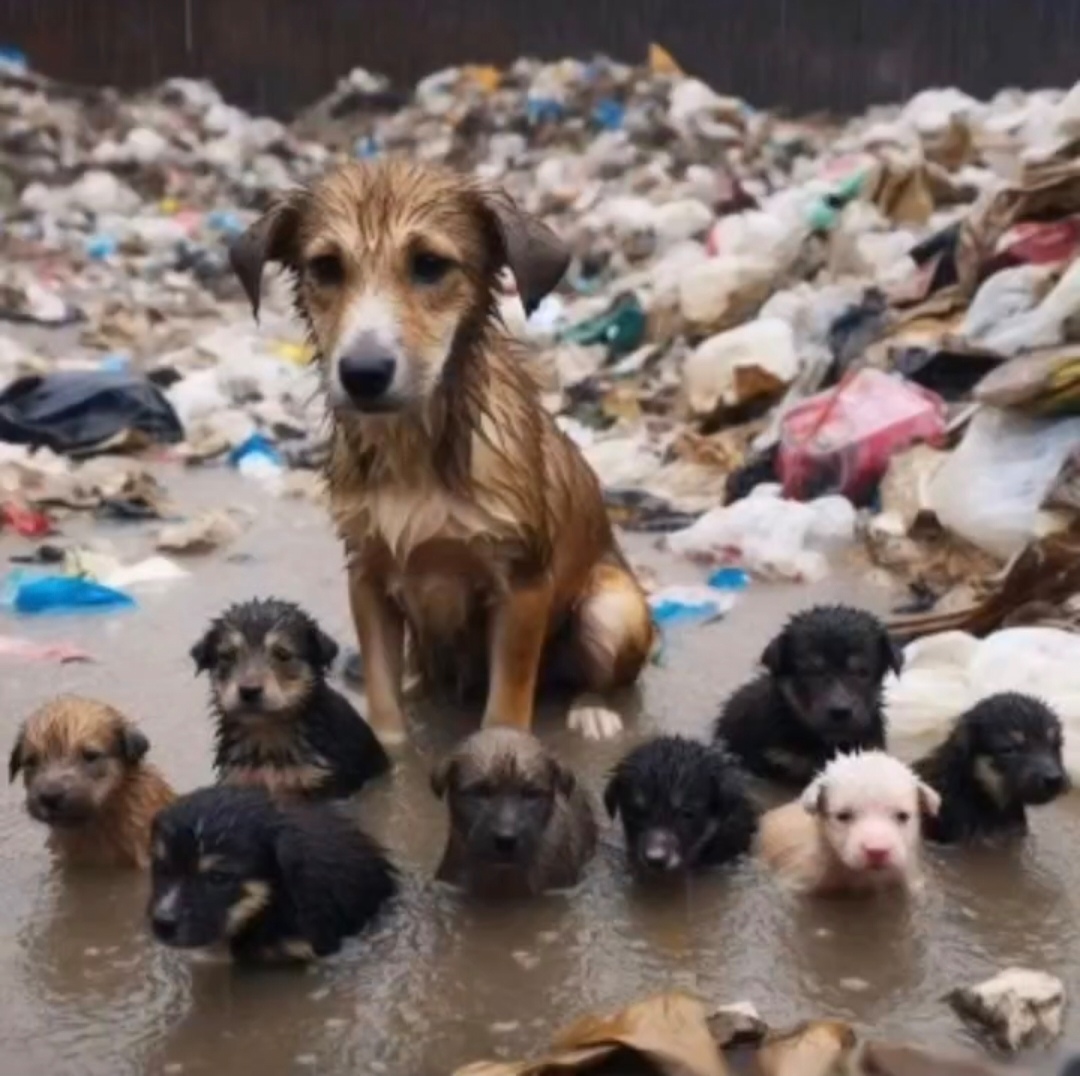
pixel 1051 784
pixel 164 924
pixel 876 858
pixel 366 371
pixel 50 799
pixel 840 715
pixel 660 851
pixel 505 843
pixel 250 692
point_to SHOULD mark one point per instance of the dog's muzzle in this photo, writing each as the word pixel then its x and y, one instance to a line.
pixel 366 369
pixel 659 851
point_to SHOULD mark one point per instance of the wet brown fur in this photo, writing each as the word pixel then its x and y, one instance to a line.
pixel 468 517
pixel 126 795
pixel 508 760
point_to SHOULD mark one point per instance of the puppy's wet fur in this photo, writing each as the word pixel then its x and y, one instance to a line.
pixel 1002 756
pixel 683 805
pixel 520 823
pixel 820 694
pixel 86 777
pixel 280 725
pixel 473 526
pixel 234 868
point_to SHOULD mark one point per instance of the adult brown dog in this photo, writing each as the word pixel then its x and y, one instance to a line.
pixel 86 776
pixel 468 517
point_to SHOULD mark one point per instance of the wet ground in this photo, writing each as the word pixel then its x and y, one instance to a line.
pixel 83 989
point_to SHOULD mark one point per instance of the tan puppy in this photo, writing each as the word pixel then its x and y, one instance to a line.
pixel 856 829
pixel 519 821
pixel 468 518
pixel 86 779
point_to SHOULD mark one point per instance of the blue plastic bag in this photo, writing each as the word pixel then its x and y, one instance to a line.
pixel 29 593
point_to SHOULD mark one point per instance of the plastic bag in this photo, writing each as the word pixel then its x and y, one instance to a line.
pixel 27 592
pixel 990 489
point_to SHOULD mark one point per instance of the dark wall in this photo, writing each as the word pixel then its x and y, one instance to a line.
pixel 803 55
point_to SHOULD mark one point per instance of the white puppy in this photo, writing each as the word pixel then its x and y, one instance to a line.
pixel 856 828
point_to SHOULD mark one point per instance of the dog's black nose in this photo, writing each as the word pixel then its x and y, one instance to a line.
pixel 1051 785
pixel 840 715
pixel 367 374
pixel 505 843
pixel 250 693
pixel 164 926
pixel 50 799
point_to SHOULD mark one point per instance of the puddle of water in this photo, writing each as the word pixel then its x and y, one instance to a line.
pixel 442 982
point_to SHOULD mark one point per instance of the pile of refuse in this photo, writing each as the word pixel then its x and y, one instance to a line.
pixel 778 341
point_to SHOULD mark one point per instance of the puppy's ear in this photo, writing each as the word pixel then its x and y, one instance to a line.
pixel 443 776
pixel 322 650
pixel 929 800
pixel 15 761
pixel 892 653
pixel 204 652
pixel 775 657
pixel 563 779
pixel 536 256
pixel 131 744
pixel 611 795
pixel 272 238
pixel 813 798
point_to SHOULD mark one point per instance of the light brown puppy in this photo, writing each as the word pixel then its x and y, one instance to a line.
pixel 472 524
pixel 520 823
pixel 86 779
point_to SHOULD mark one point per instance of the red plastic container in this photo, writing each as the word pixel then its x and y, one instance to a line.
pixel 841 441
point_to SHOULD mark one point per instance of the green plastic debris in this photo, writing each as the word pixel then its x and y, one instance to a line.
pixel 621 328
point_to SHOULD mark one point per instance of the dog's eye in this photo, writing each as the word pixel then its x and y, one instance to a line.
pixel 91 754
pixel 480 792
pixel 427 268
pixel 226 656
pixel 844 817
pixel 31 762
pixel 217 877
pixel 903 817
pixel 281 653
pixel 326 270
pixel 532 793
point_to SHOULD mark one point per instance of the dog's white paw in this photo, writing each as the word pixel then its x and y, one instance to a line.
pixel 594 722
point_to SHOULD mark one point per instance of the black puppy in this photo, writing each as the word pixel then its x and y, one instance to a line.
pixel 820 695
pixel 683 805
pixel 279 724
pixel 232 867
pixel 1002 756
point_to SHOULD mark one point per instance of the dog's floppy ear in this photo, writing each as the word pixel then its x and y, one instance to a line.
pixel 892 653
pixel 776 654
pixel 611 795
pixel 813 798
pixel 204 652
pixel 563 779
pixel 443 776
pixel 929 800
pixel 272 238
pixel 131 744
pixel 536 256
pixel 322 648
pixel 15 761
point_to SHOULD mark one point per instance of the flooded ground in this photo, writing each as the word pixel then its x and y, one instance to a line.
pixel 84 990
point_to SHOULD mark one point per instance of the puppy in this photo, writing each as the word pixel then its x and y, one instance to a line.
pixel 820 694
pixel 232 867
pixel 86 778
pixel 279 723
pixel 519 822
pixel 855 829
pixel 473 526
pixel 1001 757
pixel 683 805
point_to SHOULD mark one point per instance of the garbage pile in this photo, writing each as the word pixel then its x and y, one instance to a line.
pixel 778 339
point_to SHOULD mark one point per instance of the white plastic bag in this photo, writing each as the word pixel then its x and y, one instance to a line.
pixel 990 490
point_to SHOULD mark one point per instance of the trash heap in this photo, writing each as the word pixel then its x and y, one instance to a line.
pixel 778 339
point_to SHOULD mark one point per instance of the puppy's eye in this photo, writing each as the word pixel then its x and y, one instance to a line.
pixel 480 792
pixel 903 817
pixel 31 762
pixel 428 268
pixel 217 877
pixel 281 653
pixel 532 793
pixel 91 754
pixel 326 270
pixel 226 656
pixel 844 817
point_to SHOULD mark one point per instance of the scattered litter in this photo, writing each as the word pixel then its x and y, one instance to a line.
pixel 201 534
pixel 12 646
pixel 1017 1008
pixel 690 604
pixel 26 592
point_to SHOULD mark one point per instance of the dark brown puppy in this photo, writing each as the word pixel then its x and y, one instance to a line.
pixel 468 517
pixel 86 778
pixel 519 822
pixel 279 724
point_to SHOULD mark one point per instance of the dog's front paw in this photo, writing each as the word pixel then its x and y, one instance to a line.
pixel 594 722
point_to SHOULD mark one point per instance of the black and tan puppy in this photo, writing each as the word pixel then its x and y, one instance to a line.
pixel 683 806
pixel 820 694
pixel 1002 756
pixel 86 777
pixel 520 823
pixel 234 868
pixel 280 725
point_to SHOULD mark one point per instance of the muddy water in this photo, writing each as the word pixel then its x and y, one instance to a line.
pixel 83 990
